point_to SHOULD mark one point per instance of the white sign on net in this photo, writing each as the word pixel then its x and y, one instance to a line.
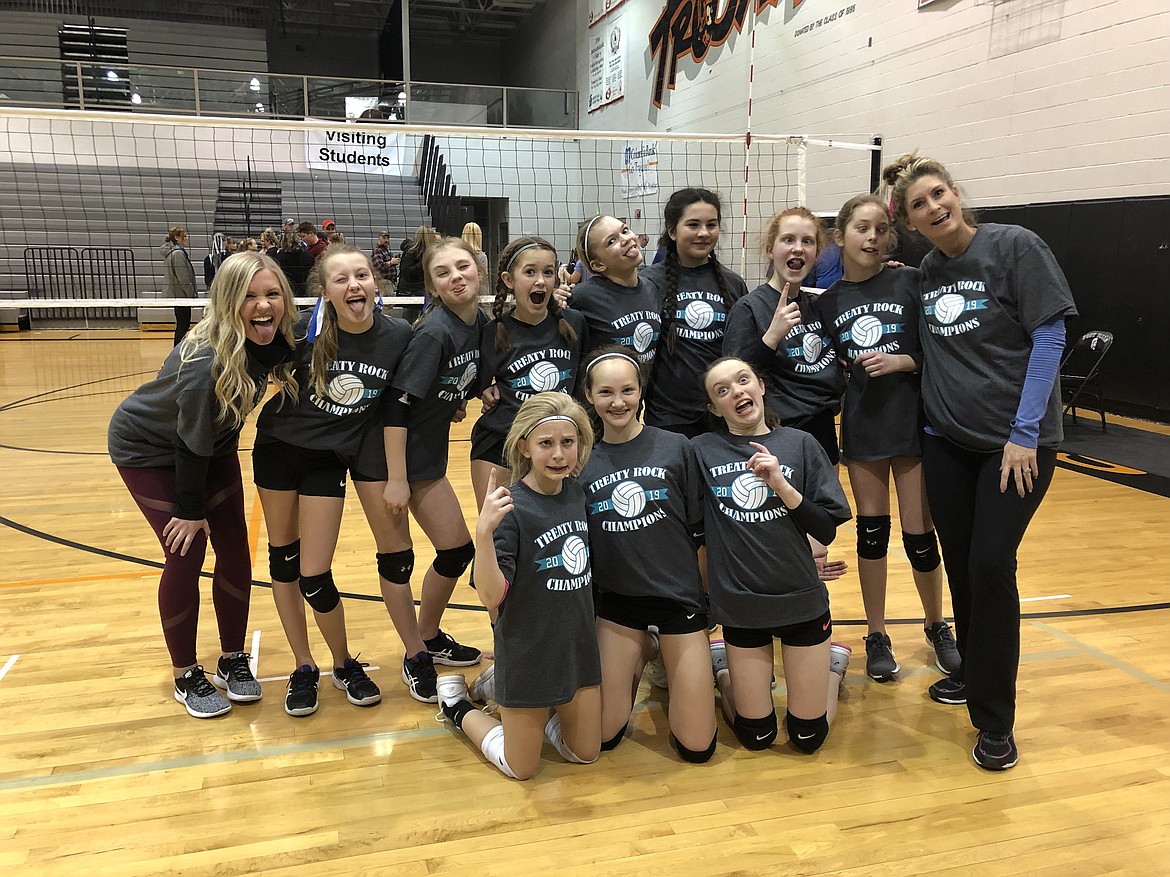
pixel 357 152
pixel 639 168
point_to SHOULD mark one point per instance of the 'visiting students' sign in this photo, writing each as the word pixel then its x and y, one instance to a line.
pixel 357 152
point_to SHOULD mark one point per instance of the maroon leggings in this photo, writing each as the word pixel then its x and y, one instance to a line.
pixel 178 590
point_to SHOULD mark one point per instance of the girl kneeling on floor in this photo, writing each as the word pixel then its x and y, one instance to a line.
pixel 532 566
pixel 769 489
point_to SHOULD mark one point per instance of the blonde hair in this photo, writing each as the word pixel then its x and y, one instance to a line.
pixel 222 331
pixel 535 409
pixel 325 344
pixel 900 174
pixel 473 234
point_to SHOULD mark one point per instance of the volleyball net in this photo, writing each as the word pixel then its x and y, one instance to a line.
pixel 81 182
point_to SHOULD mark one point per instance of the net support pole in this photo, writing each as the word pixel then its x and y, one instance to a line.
pixel 747 154
pixel 875 163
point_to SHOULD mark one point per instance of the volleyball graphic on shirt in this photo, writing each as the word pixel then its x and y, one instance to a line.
pixel 346 389
pixel 699 315
pixel 948 307
pixel 749 491
pixel 643 336
pixel 574 556
pixel 866 331
pixel 468 376
pixel 543 377
pixel 813 346
pixel 629 499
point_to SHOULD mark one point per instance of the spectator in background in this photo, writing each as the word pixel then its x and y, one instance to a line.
pixel 313 244
pixel 335 237
pixel 247 245
pixel 328 225
pixel 410 270
pixel 386 262
pixel 215 258
pixel 269 242
pixel 178 277
pixel 295 261
pixel 473 237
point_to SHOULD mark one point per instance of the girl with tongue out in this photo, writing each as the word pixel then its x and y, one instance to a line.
pixel 341 421
pixel 174 443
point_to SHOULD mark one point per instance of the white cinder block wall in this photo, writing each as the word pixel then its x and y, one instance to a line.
pixel 1025 100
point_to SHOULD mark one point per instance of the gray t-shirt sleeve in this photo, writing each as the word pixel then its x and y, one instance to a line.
pixel 507 542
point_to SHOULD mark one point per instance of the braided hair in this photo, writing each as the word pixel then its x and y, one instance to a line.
pixel 507 261
pixel 676 205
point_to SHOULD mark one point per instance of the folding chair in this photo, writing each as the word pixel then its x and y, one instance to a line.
pixel 1080 372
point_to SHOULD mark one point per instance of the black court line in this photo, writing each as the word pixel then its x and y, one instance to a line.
pixel 154 564
pixel 27 399
pixel 1147 482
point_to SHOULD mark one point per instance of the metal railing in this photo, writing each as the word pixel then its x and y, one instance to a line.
pixel 137 88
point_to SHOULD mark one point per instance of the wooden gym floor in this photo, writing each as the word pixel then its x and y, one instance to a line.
pixel 102 772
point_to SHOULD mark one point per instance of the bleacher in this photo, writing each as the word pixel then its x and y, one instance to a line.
pixel 91 208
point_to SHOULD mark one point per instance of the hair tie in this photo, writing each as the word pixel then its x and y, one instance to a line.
pixel 548 419
pixel 317 321
pixel 585 238
pixel 519 250
pixel 379 305
pixel 613 355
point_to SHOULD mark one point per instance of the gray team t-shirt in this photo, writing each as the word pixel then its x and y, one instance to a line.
pixel 178 408
pixel 617 314
pixel 674 396
pixel 880 417
pixel 439 370
pixel 760 570
pixel 979 309
pixel 539 360
pixel 355 384
pixel 645 502
pixel 546 646
pixel 801 374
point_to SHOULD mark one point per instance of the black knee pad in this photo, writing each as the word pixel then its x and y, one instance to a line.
pixel 284 562
pixel 873 536
pixel 807 735
pixel 694 756
pixel 396 566
pixel 612 742
pixel 755 734
pixel 320 592
pixel 451 563
pixel 922 549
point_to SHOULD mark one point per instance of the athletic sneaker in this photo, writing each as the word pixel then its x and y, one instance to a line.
pixel 655 671
pixel 444 650
pixel 948 690
pixel 880 663
pixel 718 656
pixel 483 688
pixel 419 675
pixel 301 697
pixel 996 751
pixel 359 688
pixel 199 696
pixel 946 650
pixel 839 655
pixel 234 675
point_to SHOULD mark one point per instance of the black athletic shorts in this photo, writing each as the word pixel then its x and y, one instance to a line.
pixel 805 633
pixel 277 465
pixel 669 616
pixel 487 445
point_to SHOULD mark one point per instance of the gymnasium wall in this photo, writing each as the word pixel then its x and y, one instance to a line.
pixel 1054 114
